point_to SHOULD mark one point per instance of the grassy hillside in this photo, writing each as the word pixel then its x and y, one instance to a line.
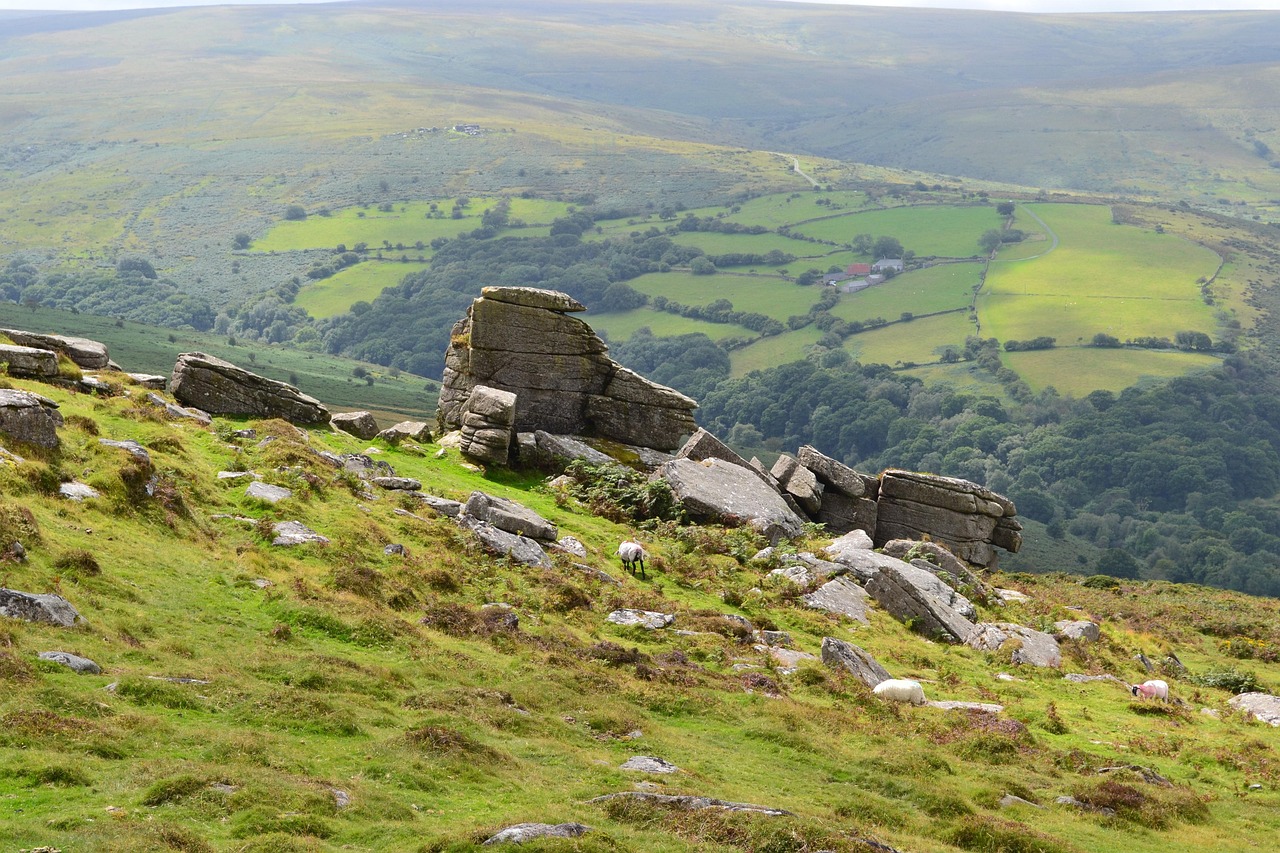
pixel 335 697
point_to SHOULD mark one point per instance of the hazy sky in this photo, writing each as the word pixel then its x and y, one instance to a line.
pixel 997 5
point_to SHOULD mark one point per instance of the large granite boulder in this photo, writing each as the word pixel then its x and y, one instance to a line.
pixel 90 355
pixel 501 543
pixel 838 654
pixel 29 417
pixel 555 451
pixel 960 514
pixel 360 424
pixel 36 607
pixel 841 595
pixel 221 388
pixel 1026 645
pixel 488 421
pixel 799 482
pixel 510 516
pixel 406 431
pixel 523 340
pixel 703 445
pixel 935 558
pixel 724 493
pixel 29 362
pixel 1261 706
pixel 899 591
pixel 836 476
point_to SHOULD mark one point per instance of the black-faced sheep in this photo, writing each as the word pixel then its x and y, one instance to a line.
pixel 632 554
pixel 1154 689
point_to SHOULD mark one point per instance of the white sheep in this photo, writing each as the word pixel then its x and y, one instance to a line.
pixel 632 554
pixel 1154 689
pixel 900 690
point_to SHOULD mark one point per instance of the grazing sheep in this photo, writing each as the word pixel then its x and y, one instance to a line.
pixel 900 690
pixel 1154 689
pixel 632 555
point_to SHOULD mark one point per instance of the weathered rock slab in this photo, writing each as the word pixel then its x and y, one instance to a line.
pixel 29 417
pixel 560 449
pixel 29 362
pixel 648 764
pixel 1078 629
pixel 691 803
pixel 506 514
pixel 443 506
pixel 719 491
pixel 895 590
pixel 360 424
pixel 397 484
pixel 953 705
pixel 841 596
pixel 647 619
pixel 221 388
pixel 267 492
pixel 520 549
pixel 84 666
pixel 418 431
pixel 488 424
pixel 799 482
pixel 523 832
pixel 1028 645
pixel 836 476
pixel 288 533
pixel 90 355
pixel 839 654
pixel 1261 706
pixel 76 491
pixel 38 607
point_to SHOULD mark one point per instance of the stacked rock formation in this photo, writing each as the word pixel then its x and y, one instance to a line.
pixel 90 355
pixel 488 419
pixel 969 519
pixel 221 388
pixel 522 340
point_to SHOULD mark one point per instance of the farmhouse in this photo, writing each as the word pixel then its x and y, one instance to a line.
pixel 887 264
pixel 855 270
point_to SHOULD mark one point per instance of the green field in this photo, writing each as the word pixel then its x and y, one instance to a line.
pixel 771 352
pixel 944 231
pixel 364 281
pixel 769 296
pixel 1102 277
pixel 918 341
pixel 714 243
pixel 940 288
pixel 405 225
pixel 790 208
pixel 621 325
pixel 330 379
pixel 1079 370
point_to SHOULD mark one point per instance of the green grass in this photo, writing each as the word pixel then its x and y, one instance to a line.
pixel 769 296
pixel 789 208
pixel 921 340
pixel 714 243
pixel 1120 280
pixel 621 325
pixel 940 230
pixel 1079 370
pixel 147 349
pixel 773 351
pixel 939 288
pixel 360 671
pixel 364 281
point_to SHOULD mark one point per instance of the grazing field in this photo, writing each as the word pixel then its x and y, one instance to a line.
pixel 364 281
pixel 918 341
pixel 330 379
pixel 778 209
pixel 963 375
pixel 714 243
pixel 1079 370
pixel 619 326
pixel 771 352
pixel 769 296
pixel 945 231
pixel 941 288
pixel 406 224
pixel 1120 280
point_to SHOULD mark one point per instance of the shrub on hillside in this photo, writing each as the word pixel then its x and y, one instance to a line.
pixel 1230 679
pixel 621 494
pixel 77 562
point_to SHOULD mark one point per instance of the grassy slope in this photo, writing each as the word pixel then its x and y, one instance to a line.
pixel 950 232
pixel 327 679
pixel 364 281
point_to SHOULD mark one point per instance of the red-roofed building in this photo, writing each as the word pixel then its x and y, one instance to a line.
pixel 858 269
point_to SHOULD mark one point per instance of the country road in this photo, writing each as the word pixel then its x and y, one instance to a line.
pixel 795 167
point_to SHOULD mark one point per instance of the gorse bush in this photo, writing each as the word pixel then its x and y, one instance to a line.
pixel 621 494
pixel 1230 679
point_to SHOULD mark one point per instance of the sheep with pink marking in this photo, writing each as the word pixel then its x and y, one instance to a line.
pixel 1153 689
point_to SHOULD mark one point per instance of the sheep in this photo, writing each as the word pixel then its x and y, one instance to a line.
pixel 900 690
pixel 1154 689
pixel 632 554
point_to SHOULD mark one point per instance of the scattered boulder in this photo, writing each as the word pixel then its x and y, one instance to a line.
pixel 365 466
pixel 289 533
pixel 488 424
pixel 799 482
pixel 718 491
pixel 38 607
pixel 510 516
pixel 554 451
pixel 87 354
pixel 494 540
pixel 238 475
pixel 839 654
pixel 360 424
pixel 442 506
pixel 397 484
pixel 395 549
pixel 77 491
pixel 898 592
pixel 786 661
pixel 952 705
pixel 572 545
pixel 219 387
pixel 1011 595
pixel 910 550
pixel 522 340
pixel 150 380
pixel 1011 800
pixel 648 764
pixel 84 666
pixel 691 803
pixel 836 476
pixel 137 451
pixel 29 362
pixel 646 619
pixel 1260 706
pixel 841 596
pixel 267 492
pixel 523 832
pixel 29 417
pixel 702 445
pixel 960 514
pixel 1080 629
pixel 1028 645
pixel 406 431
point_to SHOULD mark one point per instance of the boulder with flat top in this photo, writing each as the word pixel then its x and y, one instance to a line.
pixel 220 388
